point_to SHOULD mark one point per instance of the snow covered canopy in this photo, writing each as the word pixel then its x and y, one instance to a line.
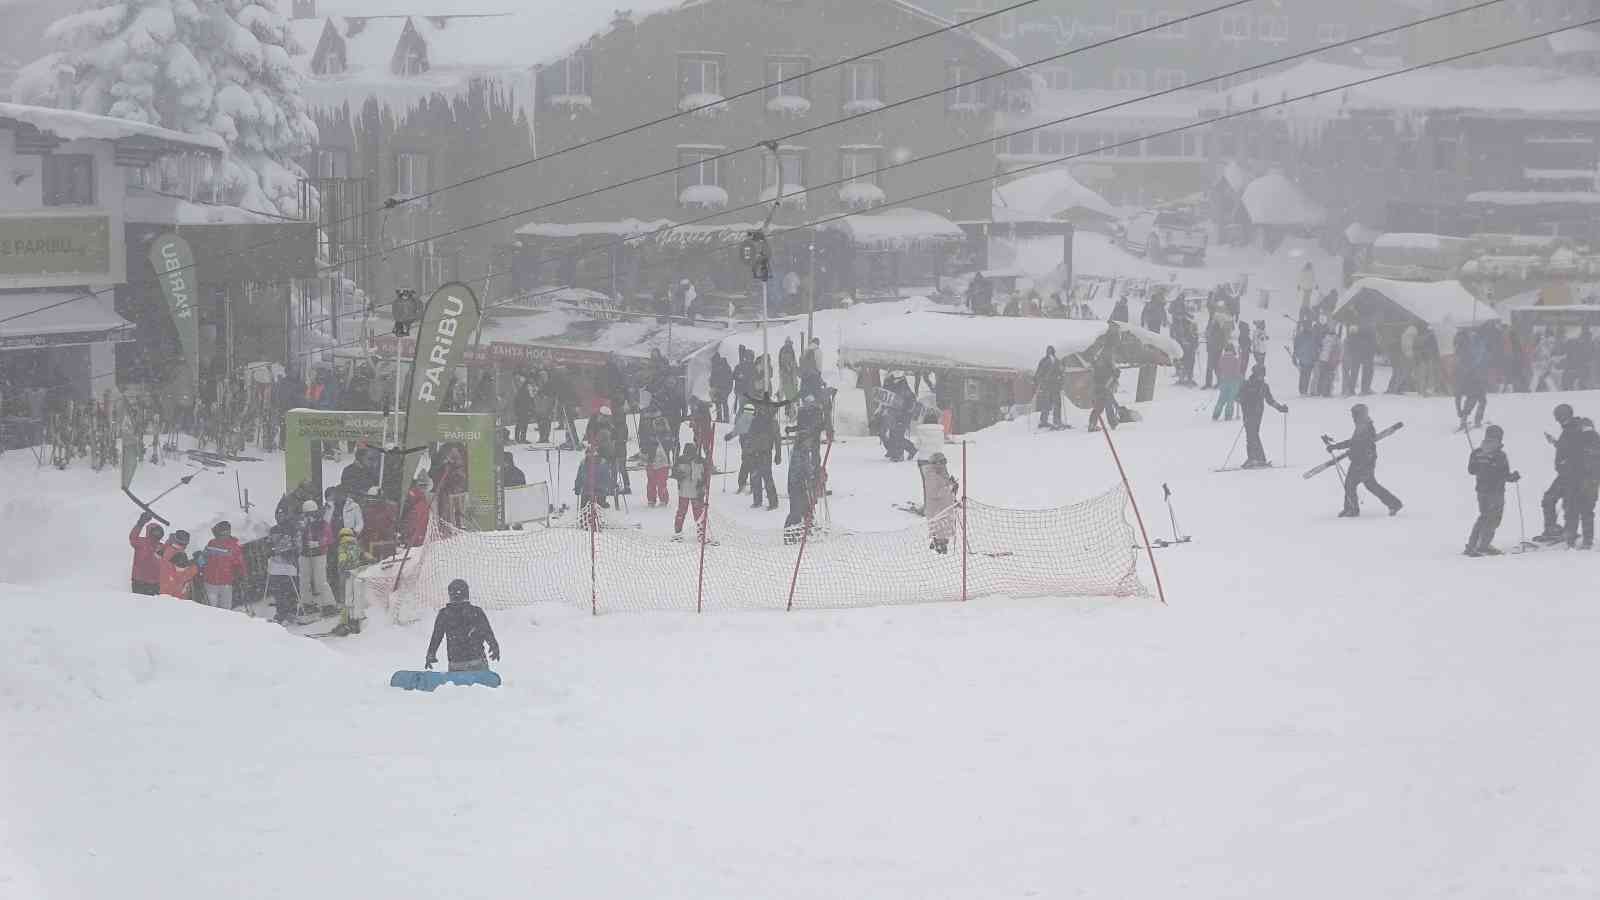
pixel 1436 303
pixel 1050 195
pixel 1523 90
pixel 1273 199
pixel 70 125
pixel 937 340
pixel 896 229
pixel 58 319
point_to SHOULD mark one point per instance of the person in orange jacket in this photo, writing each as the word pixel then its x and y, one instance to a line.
pixel 177 569
pixel 225 566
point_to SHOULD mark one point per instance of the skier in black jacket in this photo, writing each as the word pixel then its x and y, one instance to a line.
pixel 1583 473
pixel 1489 463
pixel 1562 487
pixel 1047 389
pixel 1363 447
pixel 1254 396
pixel 465 630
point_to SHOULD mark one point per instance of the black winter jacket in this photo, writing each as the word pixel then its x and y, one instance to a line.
pixel 1493 469
pixel 1363 446
pixel 465 629
pixel 1254 395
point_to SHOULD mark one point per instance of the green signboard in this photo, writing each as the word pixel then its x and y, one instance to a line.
pixel 64 245
pixel 470 438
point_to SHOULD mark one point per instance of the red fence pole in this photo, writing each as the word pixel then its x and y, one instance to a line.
pixel 705 519
pixel 811 505
pixel 965 551
pixel 594 528
pixel 1151 550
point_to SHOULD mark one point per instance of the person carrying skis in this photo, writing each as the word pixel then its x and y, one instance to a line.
pixel 1488 462
pixel 1047 389
pixel 1254 396
pixel 1363 455
pixel 692 474
pixel 146 543
pixel 225 566
pixel 465 630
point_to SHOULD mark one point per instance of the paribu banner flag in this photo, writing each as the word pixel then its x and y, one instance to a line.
pixel 448 324
pixel 173 261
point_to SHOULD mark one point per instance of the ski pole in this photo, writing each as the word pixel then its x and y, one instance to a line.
pixel 1522 525
pixel 1285 438
pixel 181 482
pixel 1232 447
pixel 1166 494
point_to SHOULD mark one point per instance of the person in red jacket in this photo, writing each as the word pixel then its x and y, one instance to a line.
pixel 225 566
pixel 415 528
pixel 146 544
pixel 380 521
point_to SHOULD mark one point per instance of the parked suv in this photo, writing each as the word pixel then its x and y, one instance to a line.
pixel 1165 234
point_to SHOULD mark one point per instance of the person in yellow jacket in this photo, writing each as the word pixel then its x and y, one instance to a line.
pixel 350 558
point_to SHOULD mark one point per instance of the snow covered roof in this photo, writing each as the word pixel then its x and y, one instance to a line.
pixel 1517 89
pixel 163 209
pixel 928 339
pixel 896 228
pixel 1047 195
pixel 633 337
pixel 1437 303
pixel 71 125
pixel 1273 199
pixel 1532 198
pixel 44 314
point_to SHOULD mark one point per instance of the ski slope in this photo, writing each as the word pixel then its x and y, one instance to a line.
pixel 1326 709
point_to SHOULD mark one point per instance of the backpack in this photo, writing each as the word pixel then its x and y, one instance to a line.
pixel 1588 455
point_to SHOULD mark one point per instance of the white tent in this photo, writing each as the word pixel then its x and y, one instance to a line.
pixel 936 340
pixel 1273 199
pixel 1442 304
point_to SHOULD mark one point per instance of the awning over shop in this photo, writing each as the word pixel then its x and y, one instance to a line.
pixel 897 229
pixel 37 319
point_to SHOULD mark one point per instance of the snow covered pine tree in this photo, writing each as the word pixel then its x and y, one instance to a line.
pixel 204 67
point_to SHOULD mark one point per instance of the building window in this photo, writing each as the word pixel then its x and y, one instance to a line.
pixel 1273 29
pixel 962 96
pixel 1130 20
pixel 1169 79
pixel 1171 29
pixel 699 167
pixel 859 165
pixel 1332 33
pixel 331 162
pixel 410 174
pixel 1128 80
pixel 780 68
pixel 789 166
pixel 1236 26
pixel 68 179
pixel 699 75
pixel 862 86
pixel 568 78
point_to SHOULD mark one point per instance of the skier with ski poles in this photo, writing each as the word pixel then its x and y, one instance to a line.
pixel 1363 454
pixel 1493 470
pixel 1254 396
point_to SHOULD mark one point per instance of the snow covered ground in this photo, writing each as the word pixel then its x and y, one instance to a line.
pixel 1326 709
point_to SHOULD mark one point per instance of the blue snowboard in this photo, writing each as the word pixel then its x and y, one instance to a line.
pixel 411 680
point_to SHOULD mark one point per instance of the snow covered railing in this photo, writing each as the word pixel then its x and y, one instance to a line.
pixel 703 104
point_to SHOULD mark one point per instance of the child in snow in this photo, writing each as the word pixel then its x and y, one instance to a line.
pixel 1489 463
pixel 224 566
pixel 1230 375
pixel 657 468
pixel 691 474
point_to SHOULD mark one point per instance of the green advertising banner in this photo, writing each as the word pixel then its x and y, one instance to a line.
pixel 67 245
pixel 447 326
pixel 470 438
pixel 173 261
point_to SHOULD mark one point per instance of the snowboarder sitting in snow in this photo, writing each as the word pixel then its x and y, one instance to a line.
pixel 465 630
pixel 1489 463
pixel 1254 396
pixel 1363 447
pixel 146 544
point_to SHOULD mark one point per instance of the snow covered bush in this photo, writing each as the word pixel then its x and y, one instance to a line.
pixel 206 67
pixel 703 104
pixel 703 196
pixel 860 195
pixel 789 106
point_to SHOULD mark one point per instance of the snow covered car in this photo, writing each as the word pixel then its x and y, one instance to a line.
pixel 1163 234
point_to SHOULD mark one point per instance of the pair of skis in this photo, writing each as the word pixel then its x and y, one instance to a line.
pixel 1335 459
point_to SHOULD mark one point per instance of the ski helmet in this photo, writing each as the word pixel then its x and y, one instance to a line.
pixel 458 591
pixel 180 537
pixel 1563 412
pixel 1359 410
pixel 155 531
pixel 222 528
pixel 1493 433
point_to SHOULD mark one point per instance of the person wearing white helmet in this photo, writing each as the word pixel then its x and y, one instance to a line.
pixel 314 542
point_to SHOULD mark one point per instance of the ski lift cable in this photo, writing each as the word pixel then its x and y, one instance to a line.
pixel 1221 117
pixel 579 253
